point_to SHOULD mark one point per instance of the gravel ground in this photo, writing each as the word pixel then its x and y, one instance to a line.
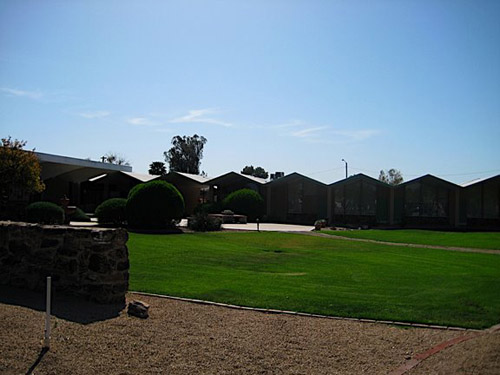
pixel 477 356
pixel 181 338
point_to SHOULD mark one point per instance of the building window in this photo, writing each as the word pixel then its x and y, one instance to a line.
pixel 434 201
pixel 491 201
pixel 369 199
pixel 295 198
pixel 412 199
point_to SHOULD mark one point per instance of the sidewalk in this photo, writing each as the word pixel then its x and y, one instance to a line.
pixel 264 227
pixel 269 227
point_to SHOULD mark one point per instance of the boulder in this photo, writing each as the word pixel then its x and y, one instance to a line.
pixel 139 309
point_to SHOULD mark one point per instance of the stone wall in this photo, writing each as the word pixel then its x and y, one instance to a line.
pixel 89 262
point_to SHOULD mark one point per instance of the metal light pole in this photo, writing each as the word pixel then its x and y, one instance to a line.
pixel 345 168
pixel 48 302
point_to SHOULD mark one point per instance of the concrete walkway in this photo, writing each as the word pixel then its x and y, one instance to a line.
pixel 448 248
pixel 269 227
pixel 264 227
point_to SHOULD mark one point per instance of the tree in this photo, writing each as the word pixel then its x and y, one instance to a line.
pixel 260 172
pixel 19 171
pixel 248 170
pixel 391 177
pixel 186 154
pixel 157 168
pixel 114 158
pixel 256 172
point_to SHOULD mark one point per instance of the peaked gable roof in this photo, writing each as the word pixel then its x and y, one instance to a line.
pixel 479 180
pixel 195 177
pixel 360 176
pixel 258 180
pixel 140 176
pixel 431 177
pixel 136 176
pixel 294 175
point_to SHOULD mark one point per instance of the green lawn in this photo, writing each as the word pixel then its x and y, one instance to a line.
pixel 478 240
pixel 318 275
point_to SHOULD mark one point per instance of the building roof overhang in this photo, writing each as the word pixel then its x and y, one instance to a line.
pixel 79 169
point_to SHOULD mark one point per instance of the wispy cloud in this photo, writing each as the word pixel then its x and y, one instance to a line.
pixel 35 95
pixel 291 124
pixel 308 132
pixel 143 121
pixel 356 135
pixel 94 114
pixel 164 130
pixel 325 134
pixel 200 116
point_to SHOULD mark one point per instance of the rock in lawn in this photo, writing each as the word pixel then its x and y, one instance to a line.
pixel 139 309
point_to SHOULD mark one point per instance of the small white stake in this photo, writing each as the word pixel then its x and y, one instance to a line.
pixel 46 343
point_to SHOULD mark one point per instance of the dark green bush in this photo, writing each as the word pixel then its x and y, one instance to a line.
pixel 245 202
pixel 209 208
pixel 154 205
pixel 112 211
pixel 78 215
pixel 44 213
pixel 201 222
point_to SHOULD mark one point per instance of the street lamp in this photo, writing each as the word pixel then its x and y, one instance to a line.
pixel 345 167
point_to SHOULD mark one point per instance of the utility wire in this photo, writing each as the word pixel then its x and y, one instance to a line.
pixel 404 174
pixel 438 174
pixel 469 173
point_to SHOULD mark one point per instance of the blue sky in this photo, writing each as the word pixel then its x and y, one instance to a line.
pixel 286 85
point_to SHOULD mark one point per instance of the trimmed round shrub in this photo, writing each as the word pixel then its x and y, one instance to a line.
pixel 79 215
pixel 245 202
pixel 112 211
pixel 154 205
pixel 44 213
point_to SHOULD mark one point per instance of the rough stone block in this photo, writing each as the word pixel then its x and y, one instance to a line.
pixel 82 261
pixel 139 309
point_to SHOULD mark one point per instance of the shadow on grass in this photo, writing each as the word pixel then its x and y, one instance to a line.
pixel 64 306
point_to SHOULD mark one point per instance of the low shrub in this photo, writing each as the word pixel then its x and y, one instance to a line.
pixel 154 205
pixel 112 211
pixel 44 213
pixel 319 224
pixel 245 202
pixel 79 215
pixel 201 222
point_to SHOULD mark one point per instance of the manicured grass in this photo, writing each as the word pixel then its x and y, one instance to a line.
pixel 320 275
pixel 478 240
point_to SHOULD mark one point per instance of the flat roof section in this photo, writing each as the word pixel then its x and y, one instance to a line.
pixel 57 165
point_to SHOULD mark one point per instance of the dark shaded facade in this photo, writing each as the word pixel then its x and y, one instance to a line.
pixel 427 202
pixel 358 201
pixel 64 176
pixel 480 204
pixel 222 186
pixel 296 199
pixel 111 185
pixel 194 188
